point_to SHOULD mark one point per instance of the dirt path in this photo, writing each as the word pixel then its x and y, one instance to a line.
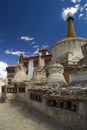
pixel 16 116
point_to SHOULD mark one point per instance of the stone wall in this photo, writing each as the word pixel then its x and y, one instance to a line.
pixel 67 119
pixel 86 114
pixel 21 97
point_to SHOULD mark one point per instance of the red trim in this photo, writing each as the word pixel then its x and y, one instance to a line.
pixel 70 66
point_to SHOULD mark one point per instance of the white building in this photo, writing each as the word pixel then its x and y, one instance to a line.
pixel 30 63
pixel 68 51
pixel 2 83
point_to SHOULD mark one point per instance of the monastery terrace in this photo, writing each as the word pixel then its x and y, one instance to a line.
pixel 53 83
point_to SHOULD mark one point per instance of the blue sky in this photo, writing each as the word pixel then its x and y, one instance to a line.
pixel 27 25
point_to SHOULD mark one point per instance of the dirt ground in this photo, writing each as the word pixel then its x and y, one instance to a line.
pixel 16 116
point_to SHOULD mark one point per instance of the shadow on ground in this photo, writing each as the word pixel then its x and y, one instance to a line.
pixel 35 116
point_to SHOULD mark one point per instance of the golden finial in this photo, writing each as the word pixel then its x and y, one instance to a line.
pixel 71 31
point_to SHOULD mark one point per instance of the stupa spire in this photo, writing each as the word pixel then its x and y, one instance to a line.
pixel 71 31
pixel 21 57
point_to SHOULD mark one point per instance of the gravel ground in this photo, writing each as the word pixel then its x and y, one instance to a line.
pixel 16 116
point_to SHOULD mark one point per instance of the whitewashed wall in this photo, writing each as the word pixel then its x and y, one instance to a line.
pixel 30 69
pixel 69 45
pixel 43 63
pixel 1 84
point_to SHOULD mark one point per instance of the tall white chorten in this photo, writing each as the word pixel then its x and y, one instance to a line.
pixel 68 50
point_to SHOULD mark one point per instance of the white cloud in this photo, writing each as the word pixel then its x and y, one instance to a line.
pixel 33 43
pixel 82 8
pixel 86 10
pixel 36 52
pixel 3 72
pixel 72 10
pixel 74 1
pixel 83 11
pixel 85 5
pixel 13 52
pixel 81 15
pixel 36 46
pixel 45 46
pixel 26 38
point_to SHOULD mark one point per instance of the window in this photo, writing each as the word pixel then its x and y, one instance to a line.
pixel 52 102
pixel 9 81
pixel 36 97
pixel 43 53
pixel 21 90
pixel 11 90
pixel 3 89
pixel 35 63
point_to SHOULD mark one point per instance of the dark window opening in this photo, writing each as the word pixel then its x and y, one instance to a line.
pixel 35 63
pixel 74 108
pixel 43 53
pixel 61 105
pixel 11 90
pixel 52 103
pixel 21 90
pixel 69 104
pixel 9 81
pixel 36 97
pixel 3 90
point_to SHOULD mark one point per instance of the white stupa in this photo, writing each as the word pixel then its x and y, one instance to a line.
pixel 20 74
